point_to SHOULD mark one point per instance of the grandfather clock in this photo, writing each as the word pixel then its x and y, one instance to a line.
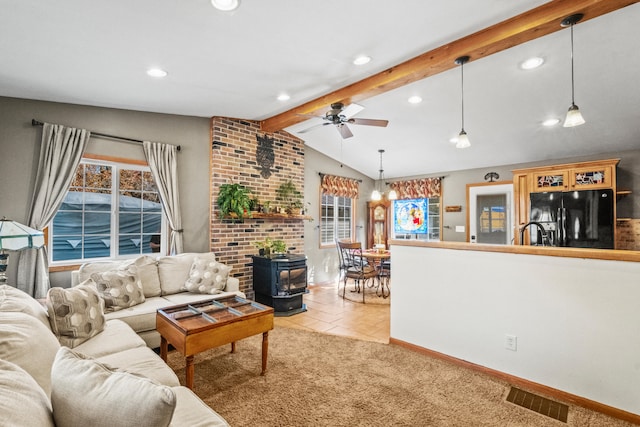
pixel 378 223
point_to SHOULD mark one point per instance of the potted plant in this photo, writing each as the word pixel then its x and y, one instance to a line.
pixel 279 247
pixel 289 196
pixel 268 246
pixel 234 200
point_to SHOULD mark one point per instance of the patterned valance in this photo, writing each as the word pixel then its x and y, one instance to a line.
pixel 340 186
pixel 418 188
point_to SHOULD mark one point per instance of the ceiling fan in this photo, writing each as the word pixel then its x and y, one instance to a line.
pixel 340 116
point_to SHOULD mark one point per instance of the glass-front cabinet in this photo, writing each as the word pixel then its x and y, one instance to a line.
pixel 584 176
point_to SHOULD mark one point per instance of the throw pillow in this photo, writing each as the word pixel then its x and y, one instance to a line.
pixel 174 270
pixel 146 268
pixel 119 288
pixel 25 341
pixel 89 393
pixel 13 299
pixel 207 277
pixel 23 402
pixel 76 314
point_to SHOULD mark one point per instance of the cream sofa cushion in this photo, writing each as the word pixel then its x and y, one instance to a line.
pixel 146 269
pixel 207 276
pixel 13 299
pixel 144 362
pixel 119 288
pixel 193 412
pixel 75 314
pixel 174 270
pixel 23 401
pixel 117 336
pixel 25 341
pixel 88 393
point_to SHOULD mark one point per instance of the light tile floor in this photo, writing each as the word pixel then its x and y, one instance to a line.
pixel 328 313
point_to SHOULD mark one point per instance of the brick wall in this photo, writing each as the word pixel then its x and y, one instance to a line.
pixel 234 147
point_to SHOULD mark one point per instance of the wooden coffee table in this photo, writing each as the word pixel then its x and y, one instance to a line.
pixel 196 327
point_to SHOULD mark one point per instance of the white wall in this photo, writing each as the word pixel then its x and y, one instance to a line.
pixel 576 320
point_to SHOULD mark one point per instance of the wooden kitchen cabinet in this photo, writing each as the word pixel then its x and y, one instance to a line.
pixel 590 175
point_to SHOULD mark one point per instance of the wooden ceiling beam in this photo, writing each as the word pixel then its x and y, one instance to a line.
pixel 520 29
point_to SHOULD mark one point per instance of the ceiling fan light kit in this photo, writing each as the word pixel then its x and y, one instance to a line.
pixel 463 139
pixel 574 117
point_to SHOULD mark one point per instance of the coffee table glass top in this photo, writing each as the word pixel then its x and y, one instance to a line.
pixel 212 311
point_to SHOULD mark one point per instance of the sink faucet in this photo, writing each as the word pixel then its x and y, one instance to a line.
pixel 543 232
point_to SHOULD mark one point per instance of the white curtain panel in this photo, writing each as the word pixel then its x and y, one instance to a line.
pixel 60 153
pixel 163 164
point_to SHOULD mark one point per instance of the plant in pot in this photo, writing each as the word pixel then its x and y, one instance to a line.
pixel 234 200
pixel 268 246
pixel 289 196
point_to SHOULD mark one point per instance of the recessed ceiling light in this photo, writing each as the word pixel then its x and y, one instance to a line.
pixel 415 99
pixel 361 60
pixel 551 122
pixel 226 5
pixel 283 97
pixel 156 72
pixel 532 63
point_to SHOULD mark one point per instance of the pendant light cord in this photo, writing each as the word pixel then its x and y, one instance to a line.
pixel 380 177
pixel 462 81
pixel 573 101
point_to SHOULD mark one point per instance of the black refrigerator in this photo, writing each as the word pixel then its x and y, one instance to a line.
pixel 579 219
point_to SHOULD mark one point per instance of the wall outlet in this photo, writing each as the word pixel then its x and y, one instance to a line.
pixel 511 342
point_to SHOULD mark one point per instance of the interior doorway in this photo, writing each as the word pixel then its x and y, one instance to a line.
pixel 490 213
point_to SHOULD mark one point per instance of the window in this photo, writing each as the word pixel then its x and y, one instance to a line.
pixel 112 210
pixel 336 219
pixel 403 211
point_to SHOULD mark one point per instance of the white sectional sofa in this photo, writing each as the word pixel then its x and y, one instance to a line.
pixel 110 377
pixel 163 281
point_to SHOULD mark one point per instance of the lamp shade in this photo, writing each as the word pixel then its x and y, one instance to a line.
pixel 574 117
pixel 463 140
pixel 376 195
pixel 15 236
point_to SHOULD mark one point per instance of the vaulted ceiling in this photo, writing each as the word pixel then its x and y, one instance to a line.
pixel 236 63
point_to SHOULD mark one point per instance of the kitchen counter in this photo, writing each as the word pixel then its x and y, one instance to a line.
pixel 604 254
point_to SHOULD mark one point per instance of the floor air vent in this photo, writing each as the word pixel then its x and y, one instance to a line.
pixel 555 410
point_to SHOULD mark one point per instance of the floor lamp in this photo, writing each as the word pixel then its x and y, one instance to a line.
pixel 14 237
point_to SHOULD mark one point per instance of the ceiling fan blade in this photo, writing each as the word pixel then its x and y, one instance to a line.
pixel 369 122
pixel 313 127
pixel 352 110
pixel 344 131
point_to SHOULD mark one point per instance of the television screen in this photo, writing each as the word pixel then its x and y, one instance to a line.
pixel 410 216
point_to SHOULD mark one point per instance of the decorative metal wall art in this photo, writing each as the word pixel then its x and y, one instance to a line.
pixel 265 155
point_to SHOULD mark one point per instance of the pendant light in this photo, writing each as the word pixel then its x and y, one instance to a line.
pixel 463 139
pixel 377 194
pixel 574 117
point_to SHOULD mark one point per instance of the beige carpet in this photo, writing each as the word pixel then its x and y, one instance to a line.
pixel 324 380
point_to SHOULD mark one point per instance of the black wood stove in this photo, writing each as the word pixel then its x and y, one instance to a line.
pixel 280 281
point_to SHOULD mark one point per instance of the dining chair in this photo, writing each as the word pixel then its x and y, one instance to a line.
pixel 384 275
pixel 356 267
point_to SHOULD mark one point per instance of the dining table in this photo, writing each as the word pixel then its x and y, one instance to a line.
pixel 377 258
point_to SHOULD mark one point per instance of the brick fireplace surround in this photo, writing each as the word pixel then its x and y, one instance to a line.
pixel 234 146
